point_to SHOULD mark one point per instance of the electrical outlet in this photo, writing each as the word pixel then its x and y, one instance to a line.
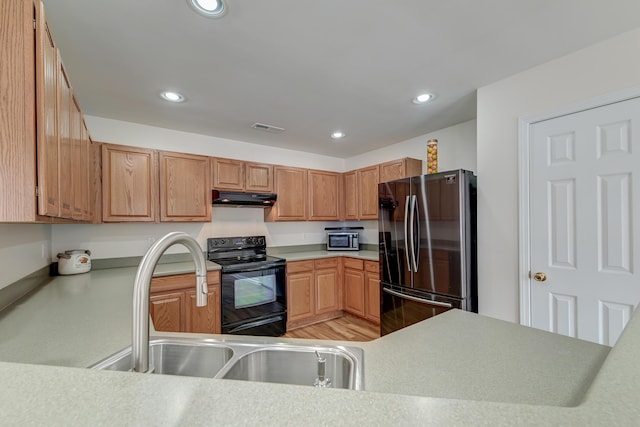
pixel 44 253
pixel 150 241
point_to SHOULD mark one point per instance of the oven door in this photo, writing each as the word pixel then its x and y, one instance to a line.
pixel 402 307
pixel 252 296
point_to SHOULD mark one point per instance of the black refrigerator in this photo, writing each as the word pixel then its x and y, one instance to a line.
pixel 427 227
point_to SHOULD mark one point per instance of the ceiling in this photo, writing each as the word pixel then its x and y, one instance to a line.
pixel 312 67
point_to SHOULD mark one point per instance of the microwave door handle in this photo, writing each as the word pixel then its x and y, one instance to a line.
pixel 416 299
pixel 406 232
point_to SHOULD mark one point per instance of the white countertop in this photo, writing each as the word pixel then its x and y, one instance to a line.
pixel 455 369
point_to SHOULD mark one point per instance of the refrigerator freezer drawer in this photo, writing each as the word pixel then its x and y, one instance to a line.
pixel 401 308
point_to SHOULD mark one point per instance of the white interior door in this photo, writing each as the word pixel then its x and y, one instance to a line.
pixel 584 225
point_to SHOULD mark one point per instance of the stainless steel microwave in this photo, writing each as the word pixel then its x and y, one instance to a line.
pixel 343 241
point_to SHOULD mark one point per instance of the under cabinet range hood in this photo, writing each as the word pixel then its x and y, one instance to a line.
pixel 237 198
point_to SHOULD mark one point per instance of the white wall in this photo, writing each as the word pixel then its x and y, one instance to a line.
pixel 456 149
pixel 24 248
pixel 138 135
pixel 606 67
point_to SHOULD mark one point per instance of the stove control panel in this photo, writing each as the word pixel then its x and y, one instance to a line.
pixel 236 242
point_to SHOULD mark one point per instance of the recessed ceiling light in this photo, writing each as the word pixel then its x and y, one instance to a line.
pixel 208 8
pixel 172 96
pixel 338 135
pixel 423 97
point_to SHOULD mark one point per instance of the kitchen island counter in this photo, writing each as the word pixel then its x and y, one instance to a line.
pixel 456 368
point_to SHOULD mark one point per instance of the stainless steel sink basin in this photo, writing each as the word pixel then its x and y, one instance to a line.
pixel 176 357
pixel 297 365
pixel 237 360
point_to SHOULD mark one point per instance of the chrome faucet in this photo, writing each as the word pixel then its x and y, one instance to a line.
pixel 141 290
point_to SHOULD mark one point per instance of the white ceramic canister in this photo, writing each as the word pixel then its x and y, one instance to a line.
pixel 74 261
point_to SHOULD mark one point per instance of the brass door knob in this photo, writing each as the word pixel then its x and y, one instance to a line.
pixel 540 276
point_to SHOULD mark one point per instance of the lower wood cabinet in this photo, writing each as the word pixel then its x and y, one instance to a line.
pixel 354 286
pixel 172 304
pixel 362 288
pixel 314 291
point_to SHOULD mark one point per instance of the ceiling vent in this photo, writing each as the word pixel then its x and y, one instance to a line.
pixel 268 128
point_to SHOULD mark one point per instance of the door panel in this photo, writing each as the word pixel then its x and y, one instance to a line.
pixel 584 226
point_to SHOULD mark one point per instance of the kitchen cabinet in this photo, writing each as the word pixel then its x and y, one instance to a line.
pixel 237 175
pixel 326 275
pixel 291 188
pixel 258 177
pixel 401 168
pixel 361 193
pixel 354 286
pixel 173 304
pixel 313 291
pixel 185 188
pixel 324 195
pixel 129 184
pixel 300 293
pixel 42 176
pixel 227 174
pixel 368 179
pixel 351 195
pixel 95 182
pixel 372 291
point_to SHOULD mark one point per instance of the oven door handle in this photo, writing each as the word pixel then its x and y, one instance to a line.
pixel 416 299
pixel 255 324
pixel 259 268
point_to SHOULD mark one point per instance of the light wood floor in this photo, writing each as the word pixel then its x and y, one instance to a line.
pixel 345 328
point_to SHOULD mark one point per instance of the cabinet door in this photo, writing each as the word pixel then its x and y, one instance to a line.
pixel 47 69
pixel 398 169
pixel 324 191
pixel 17 111
pixel 185 189
pixel 167 311
pixel 300 296
pixel 204 320
pixel 258 177
pixel 95 184
pixel 351 196
pixel 291 187
pixel 228 174
pixel 372 292
pixel 78 160
pixel 354 291
pixel 368 191
pixel 129 184
pixel 87 178
pixel 327 286
pixel 66 145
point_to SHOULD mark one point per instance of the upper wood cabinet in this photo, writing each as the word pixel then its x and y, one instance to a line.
pixel 47 71
pixel 17 103
pixel 229 174
pixel 42 177
pixel 291 187
pixel 401 168
pixel 361 193
pixel 324 195
pixel 129 184
pixel 185 188
pixel 258 177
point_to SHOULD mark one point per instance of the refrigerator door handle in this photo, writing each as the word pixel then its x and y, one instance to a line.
pixel 406 233
pixel 416 249
pixel 413 233
pixel 416 299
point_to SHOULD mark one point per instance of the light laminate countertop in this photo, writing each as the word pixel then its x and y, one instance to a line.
pixel 457 368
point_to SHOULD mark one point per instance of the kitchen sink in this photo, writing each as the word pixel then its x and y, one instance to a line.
pixel 202 358
pixel 297 365
pixel 238 360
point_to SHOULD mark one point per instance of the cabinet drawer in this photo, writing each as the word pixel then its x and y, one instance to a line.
pixel 326 263
pixel 356 264
pixel 372 266
pixel 298 266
